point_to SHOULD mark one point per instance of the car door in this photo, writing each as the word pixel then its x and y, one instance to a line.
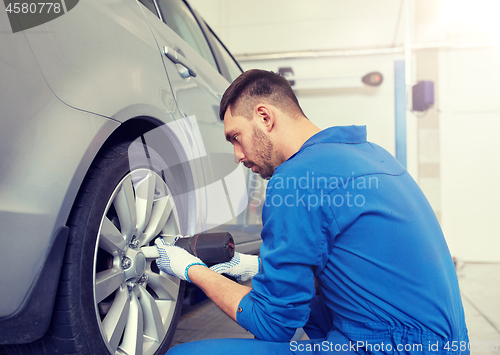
pixel 248 224
pixel 219 183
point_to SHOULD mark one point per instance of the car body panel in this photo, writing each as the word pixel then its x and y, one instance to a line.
pixel 113 56
pixel 67 87
pixel 45 146
pixel 44 129
pixel 198 97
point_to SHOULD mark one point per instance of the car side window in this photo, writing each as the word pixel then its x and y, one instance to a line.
pixel 180 19
pixel 231 64
pixel 149 5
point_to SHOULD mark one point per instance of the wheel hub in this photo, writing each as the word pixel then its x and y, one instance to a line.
pixel 135 305
pixel 137 265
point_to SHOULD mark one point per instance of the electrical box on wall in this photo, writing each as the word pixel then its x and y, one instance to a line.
pixel 287 72
pixel 423 95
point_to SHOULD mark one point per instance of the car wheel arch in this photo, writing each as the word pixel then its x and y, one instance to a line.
pixel 134 128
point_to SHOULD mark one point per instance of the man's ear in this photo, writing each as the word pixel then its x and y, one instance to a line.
pixel 266 116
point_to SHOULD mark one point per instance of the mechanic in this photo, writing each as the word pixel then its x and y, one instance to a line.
pixel 352 251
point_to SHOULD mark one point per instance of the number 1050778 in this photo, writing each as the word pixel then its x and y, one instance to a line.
pixel 33 8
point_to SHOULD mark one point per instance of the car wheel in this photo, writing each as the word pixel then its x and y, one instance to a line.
pixel 112 298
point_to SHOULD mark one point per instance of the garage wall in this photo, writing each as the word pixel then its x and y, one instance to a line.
pixel 469 108
pixel 262 26
pixel 345 101
pixel 453 150
pixel 470 148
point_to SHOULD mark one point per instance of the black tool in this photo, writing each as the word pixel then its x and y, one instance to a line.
pixel 211 248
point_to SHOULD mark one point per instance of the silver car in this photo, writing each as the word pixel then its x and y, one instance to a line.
pixel 109 137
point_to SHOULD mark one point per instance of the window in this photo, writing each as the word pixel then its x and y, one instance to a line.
pixel 232 67
pixel 150 5
pixel 179 18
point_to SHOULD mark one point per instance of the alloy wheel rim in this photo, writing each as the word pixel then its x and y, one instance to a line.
pixel 134 301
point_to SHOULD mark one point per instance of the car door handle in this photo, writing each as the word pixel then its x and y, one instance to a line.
pixel 177 58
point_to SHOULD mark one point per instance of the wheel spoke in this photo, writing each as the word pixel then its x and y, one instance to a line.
pixel 153 325
pixel 107 281
pixel 144 195
pixel 133 337
pixel 170 228
pixel 150 252
pixel 114 322
pixel 135 318
pixel 111 238
pixel 165 287
pixel 162 210
pixel 125 208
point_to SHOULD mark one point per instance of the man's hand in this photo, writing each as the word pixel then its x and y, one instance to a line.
pixel 242 266
pixel 174 260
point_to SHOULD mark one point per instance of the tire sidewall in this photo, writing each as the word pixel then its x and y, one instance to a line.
pixel 100 184
pixel 100 194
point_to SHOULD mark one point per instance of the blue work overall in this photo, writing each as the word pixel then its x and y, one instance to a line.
pixel 342 211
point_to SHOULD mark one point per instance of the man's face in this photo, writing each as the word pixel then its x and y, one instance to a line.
pixel 251 145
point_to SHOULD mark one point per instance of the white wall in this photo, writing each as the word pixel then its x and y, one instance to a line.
pixel 262 26
pixel 350 103
pixel 289 25
pixel 470 148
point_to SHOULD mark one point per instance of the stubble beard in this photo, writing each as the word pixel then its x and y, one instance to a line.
pixel 263 154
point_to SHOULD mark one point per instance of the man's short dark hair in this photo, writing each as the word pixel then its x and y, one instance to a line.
pixel 259 85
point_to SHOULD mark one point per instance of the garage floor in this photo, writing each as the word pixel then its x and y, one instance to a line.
pixel 480 287
pixel 207 321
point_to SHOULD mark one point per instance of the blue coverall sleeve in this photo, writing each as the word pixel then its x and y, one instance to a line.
pixel 294 248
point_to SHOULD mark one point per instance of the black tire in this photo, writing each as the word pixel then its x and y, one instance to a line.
pixel 79 323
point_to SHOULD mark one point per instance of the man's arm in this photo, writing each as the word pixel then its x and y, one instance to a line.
pixel 225 293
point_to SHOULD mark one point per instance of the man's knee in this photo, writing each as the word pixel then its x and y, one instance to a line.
pixel 208 347
pixel 320 319
pixel 228 346
pixel 179 349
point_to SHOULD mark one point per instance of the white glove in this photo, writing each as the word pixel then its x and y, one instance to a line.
pixel 242 266
pixel 174 260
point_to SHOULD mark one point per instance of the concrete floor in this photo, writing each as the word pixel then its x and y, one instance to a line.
pixel 479 285
pixel 480 288
pixel 207 321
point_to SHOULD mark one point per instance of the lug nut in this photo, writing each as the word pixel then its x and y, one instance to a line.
pixel 126 263
pixel 134 243
pixel 143 279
